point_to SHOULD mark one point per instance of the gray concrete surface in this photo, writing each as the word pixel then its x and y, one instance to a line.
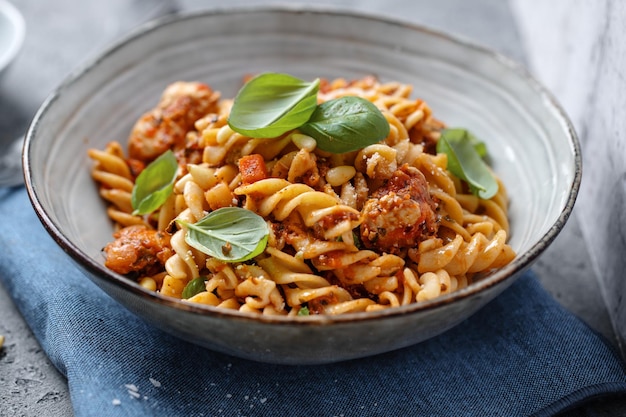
pixel 29 385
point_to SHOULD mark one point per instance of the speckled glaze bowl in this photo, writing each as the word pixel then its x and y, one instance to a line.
pixel 535 153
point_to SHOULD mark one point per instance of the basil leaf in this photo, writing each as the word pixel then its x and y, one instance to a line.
pixel 304 311
pixel 230 234
pixel 193 287
pixel 154 184
pixel 458 134
pixel 346 124
pixel 271 104
pixel 465 162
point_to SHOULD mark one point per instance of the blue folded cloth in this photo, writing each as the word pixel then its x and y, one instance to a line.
pixel 521 355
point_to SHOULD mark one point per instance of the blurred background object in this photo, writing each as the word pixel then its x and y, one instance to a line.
pixel 12 30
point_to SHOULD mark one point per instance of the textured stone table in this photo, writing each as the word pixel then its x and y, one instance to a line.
pixel 63 33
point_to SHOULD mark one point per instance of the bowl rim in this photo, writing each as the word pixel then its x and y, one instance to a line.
pixel 507 273
pixel 18 25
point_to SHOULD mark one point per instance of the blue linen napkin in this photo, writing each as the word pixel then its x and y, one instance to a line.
pixel 521 355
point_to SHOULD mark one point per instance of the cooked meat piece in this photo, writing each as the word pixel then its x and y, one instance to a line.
pixel 400 214
pixel 166 126
pixel 137 249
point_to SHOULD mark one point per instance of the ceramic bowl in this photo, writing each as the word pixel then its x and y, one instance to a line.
pixel 538 156
pixel 12 31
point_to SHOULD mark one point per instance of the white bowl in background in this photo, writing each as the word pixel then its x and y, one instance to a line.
pixel 12 32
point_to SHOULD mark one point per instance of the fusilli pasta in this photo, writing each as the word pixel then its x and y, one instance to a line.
pixel 384 226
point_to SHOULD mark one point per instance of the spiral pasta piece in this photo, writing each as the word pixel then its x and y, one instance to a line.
pixel 280 198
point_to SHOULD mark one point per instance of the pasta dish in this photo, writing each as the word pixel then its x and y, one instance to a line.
pixel 380 226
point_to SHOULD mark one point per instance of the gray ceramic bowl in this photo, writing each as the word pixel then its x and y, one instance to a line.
pixel 538 157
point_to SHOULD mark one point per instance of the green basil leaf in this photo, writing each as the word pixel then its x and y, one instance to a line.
pixel 465 162
pixel 458 134
pixel 304 311
pixel 193 287
pixel 346 124
pixel 154 184
pixel 271 104
pixel 231 234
